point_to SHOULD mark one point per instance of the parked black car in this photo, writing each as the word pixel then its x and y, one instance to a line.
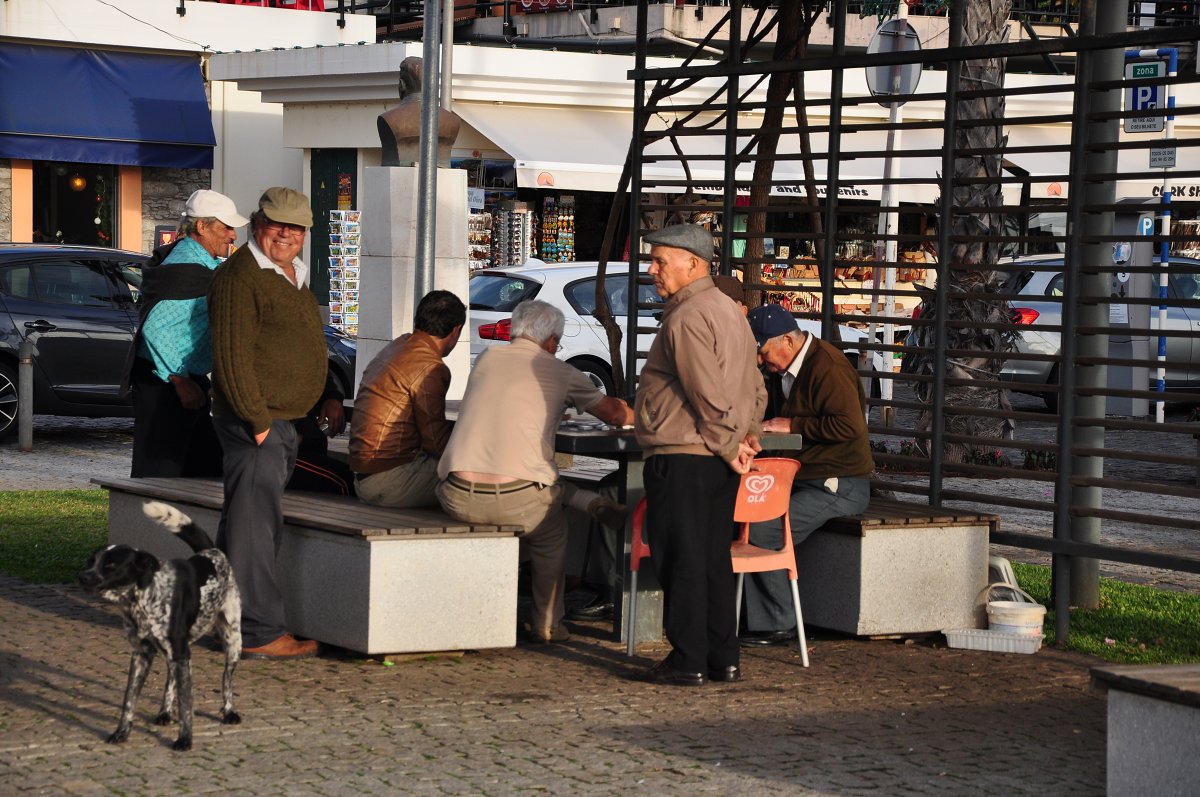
pixel 82 304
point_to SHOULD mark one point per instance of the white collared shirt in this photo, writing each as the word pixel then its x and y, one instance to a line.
pixel 788 377
pixel 266 262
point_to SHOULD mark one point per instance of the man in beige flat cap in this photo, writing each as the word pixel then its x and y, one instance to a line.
pixel 269 367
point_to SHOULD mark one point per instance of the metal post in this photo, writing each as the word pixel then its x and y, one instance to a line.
pixel 833 164
pixel 1101 158
pixel 1164 251
pixel 937 397
pixel 886 252
pixel 427 167
pixel 25 354
pixel 447 52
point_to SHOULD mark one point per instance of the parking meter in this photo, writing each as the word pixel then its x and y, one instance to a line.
pixel 1132 257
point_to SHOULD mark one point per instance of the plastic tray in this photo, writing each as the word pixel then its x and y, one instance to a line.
pixel 994 641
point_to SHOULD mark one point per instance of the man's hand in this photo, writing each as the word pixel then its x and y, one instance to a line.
pixel 744 459
pixel 752 440
pixel 613 411
pixel 334 414
pixel 189 393
pixel 783 425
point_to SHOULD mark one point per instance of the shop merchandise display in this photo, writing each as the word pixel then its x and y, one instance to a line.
pixel 344 237
pixel 514 230
pixel 558 229
pixel 479 240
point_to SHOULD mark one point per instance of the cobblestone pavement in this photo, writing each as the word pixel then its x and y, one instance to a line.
pixel 868 717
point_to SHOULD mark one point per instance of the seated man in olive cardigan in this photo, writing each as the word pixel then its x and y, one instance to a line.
pixel 816 393
pixel 269 366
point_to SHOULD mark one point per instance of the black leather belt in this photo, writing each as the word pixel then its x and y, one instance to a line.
pixel 483 487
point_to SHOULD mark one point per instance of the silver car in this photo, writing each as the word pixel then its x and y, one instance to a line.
pixel 1039 305
pixel 571 287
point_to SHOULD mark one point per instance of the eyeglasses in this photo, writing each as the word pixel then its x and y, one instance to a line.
pixel 281 228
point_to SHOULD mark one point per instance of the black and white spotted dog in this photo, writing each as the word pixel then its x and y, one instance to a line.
pixel 167 606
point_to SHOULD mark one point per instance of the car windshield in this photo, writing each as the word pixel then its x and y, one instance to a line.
pixel 503 292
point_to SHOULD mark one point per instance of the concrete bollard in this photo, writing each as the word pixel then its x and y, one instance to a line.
pixel 25 355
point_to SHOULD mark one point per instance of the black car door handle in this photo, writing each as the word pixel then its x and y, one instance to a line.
pixel 39 326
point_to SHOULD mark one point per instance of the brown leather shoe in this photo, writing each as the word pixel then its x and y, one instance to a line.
pixel 284 646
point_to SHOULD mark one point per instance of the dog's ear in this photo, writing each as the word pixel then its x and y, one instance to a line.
pixel 145 565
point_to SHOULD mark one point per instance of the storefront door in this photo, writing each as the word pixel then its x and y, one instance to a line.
pixel 334 187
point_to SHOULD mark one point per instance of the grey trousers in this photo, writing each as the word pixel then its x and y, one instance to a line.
pixel 403 486
pixel 768 596
pixel 252 520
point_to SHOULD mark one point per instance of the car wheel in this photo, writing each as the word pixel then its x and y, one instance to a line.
pixel 8 402
pixel 597 372
pixel 1052 399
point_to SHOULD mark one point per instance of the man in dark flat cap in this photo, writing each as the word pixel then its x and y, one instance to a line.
pixel 699 400
pixel 820 397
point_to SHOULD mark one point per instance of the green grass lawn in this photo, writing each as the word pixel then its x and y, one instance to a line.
pixel 1135 624
pixel 47 536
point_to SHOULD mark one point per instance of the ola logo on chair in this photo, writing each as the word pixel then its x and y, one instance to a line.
pixel 757 485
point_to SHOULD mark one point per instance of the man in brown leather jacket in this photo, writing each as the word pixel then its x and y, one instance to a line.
pixel 399 428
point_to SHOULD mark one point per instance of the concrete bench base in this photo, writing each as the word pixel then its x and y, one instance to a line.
pixel 1153 725
pixel 408 580
pixel 899 569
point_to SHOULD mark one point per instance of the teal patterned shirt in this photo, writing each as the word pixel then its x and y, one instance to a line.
pixel 175 336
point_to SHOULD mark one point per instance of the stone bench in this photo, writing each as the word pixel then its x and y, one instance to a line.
pixel 1153 724
pixel 898 569
pixel 371 579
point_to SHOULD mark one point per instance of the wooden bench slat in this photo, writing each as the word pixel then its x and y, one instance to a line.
pixel 320 511
pixel 890 513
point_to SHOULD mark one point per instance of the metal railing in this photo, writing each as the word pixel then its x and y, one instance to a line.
pixel 943 425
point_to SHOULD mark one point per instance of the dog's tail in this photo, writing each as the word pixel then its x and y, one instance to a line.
pixel 178 523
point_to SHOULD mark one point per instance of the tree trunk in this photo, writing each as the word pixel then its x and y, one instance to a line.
pixel 971 265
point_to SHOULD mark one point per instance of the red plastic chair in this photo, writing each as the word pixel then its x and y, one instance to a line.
pixel 763 495
pixel 638 550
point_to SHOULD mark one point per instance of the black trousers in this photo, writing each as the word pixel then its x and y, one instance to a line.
pixel 169 440
pixel 689 525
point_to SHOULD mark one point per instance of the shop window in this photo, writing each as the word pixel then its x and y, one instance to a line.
pixel 73 203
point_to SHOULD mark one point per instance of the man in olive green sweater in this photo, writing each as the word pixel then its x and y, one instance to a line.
pixel 269 364
pixel 818 395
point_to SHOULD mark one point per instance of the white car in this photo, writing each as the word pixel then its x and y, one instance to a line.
pixel 571 287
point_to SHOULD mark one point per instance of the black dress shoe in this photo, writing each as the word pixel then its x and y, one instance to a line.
pixel 598 610
pixel 726 675
pixel 661 673
pixel 767 639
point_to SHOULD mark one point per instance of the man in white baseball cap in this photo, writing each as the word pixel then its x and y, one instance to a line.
pixel 172 427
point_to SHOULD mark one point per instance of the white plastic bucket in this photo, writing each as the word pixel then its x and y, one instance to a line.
pixel 1016 616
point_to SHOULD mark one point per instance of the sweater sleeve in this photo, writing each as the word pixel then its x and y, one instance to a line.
pixel 235 315
pixel 833 412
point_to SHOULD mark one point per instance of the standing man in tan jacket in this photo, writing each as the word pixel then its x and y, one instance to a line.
pixel 399 428
pixel 698 404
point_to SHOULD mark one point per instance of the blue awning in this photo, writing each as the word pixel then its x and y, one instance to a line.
pixel 100 106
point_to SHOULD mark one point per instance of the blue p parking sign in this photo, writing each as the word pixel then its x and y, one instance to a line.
pixel 1145 98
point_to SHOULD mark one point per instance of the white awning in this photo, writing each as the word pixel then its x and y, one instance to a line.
pixel 566 148
pixel 584 149
pixel 578 149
